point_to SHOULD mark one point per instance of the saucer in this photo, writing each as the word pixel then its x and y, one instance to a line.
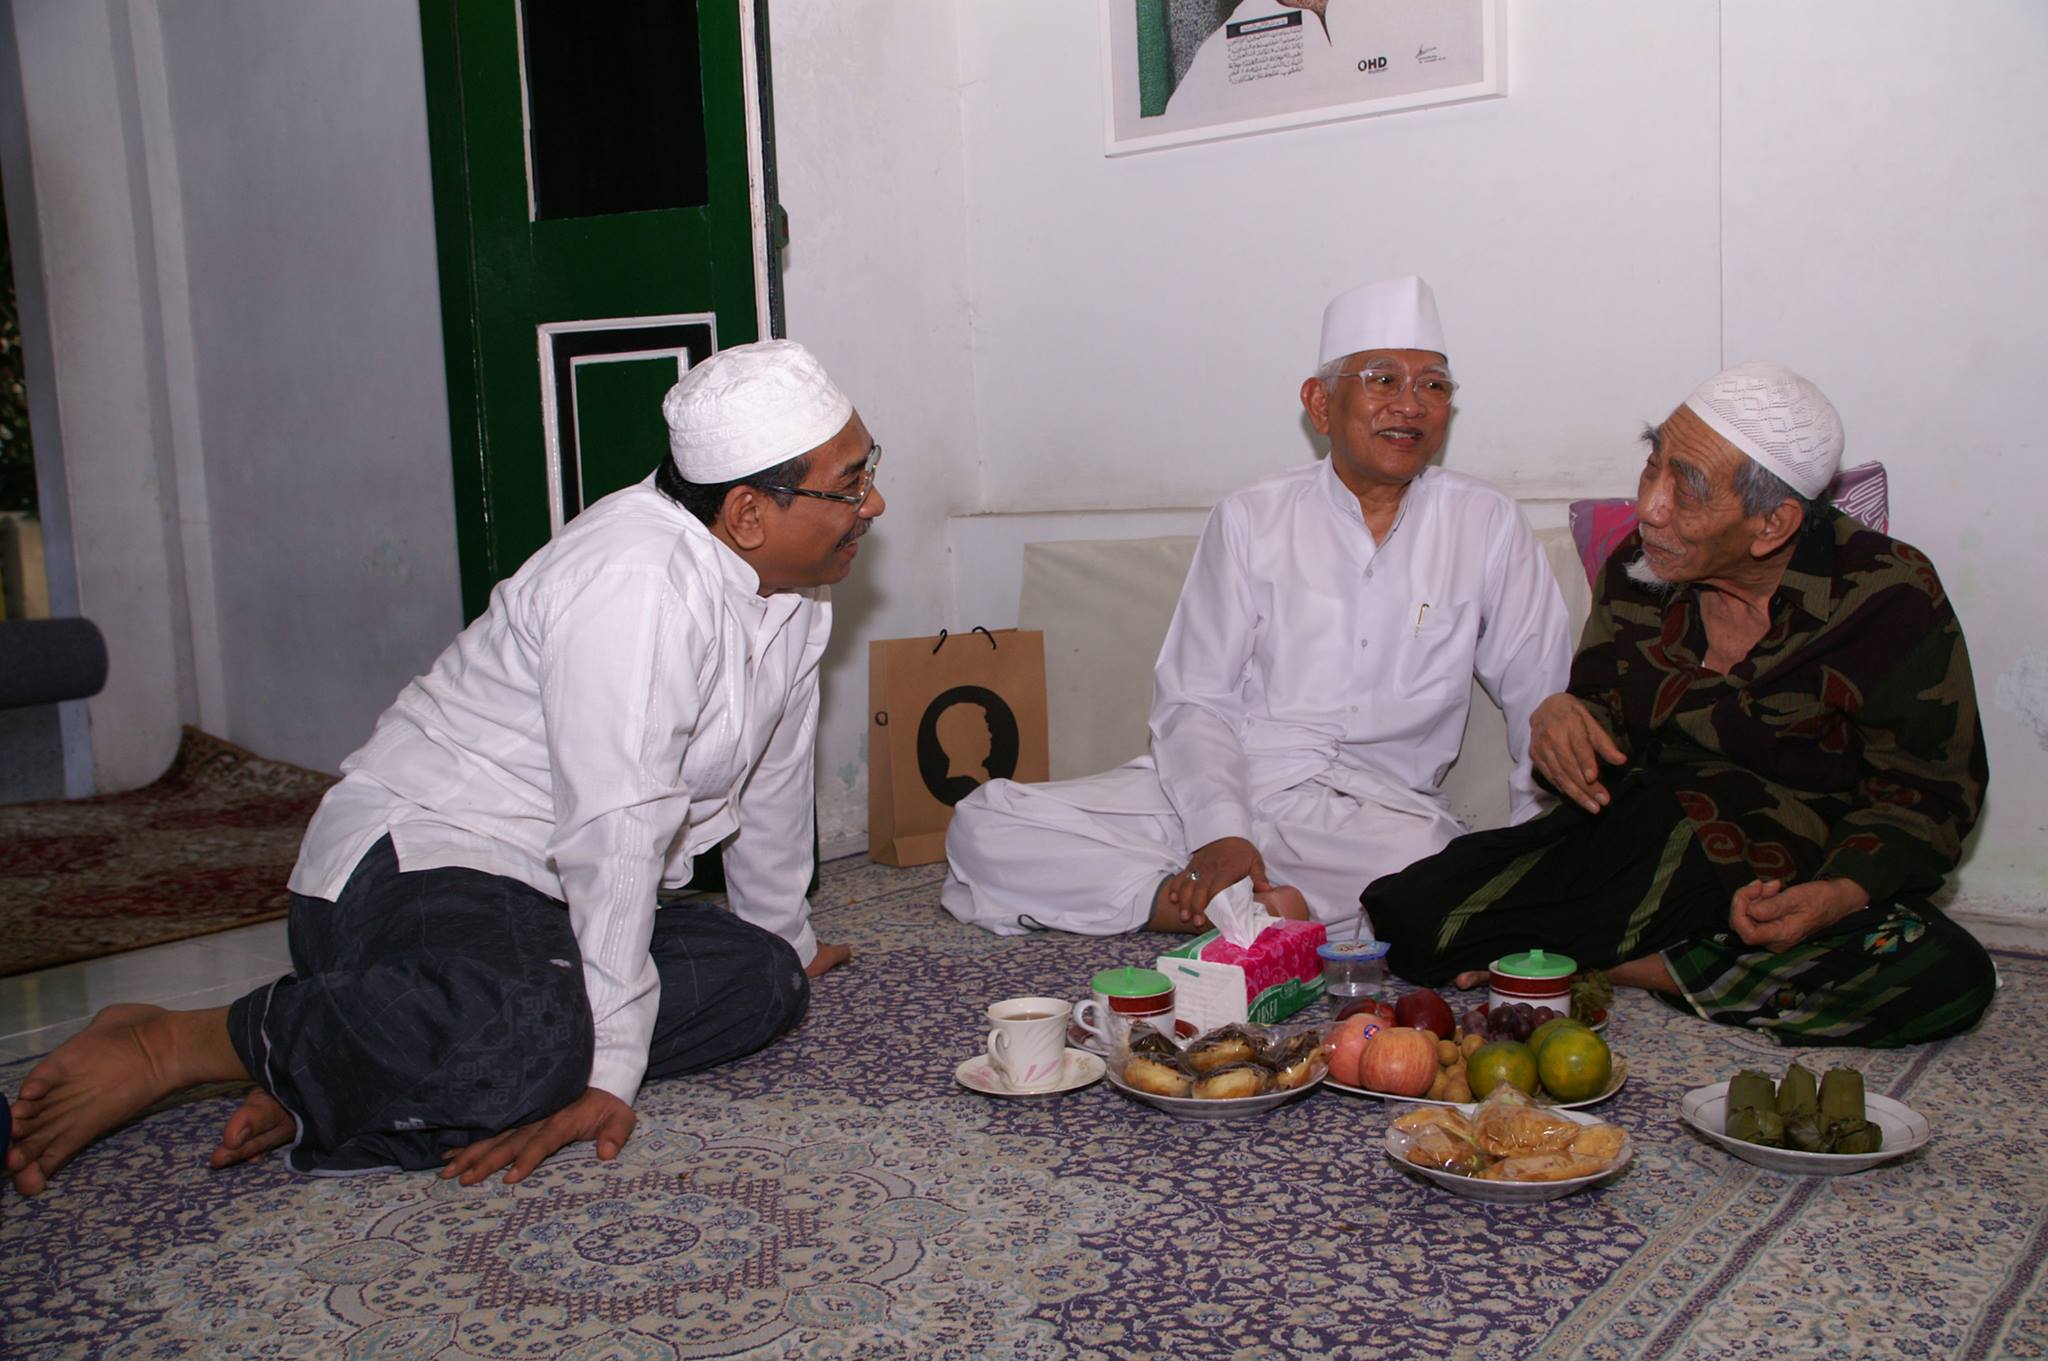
pixel 1079 1069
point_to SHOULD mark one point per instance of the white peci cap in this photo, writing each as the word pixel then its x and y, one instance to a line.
pixel 1776 417
pixel 751 407
pixel 1393 314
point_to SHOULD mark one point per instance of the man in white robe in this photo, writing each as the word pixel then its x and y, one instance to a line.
pixel 481 972
pixel 1312 691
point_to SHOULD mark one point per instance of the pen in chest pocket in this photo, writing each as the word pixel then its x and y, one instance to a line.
pixel 1418 620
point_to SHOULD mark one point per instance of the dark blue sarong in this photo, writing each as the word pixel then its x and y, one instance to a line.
pixel 427 1010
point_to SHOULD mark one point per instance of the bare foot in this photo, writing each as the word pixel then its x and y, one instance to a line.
pixel 130 1057
pixel 259 1126
pixel 1283 901
pixel 1471 978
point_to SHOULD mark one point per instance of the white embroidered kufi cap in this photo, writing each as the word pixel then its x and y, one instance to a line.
pixel 1393 314
pixel 1776 417
pixel 751 407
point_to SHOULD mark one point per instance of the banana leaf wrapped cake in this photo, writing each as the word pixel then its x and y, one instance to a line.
pixel 1797 1113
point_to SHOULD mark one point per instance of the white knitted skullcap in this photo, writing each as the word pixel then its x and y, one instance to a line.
pixel 1776 417
pixel 1393 314
pixel 751 407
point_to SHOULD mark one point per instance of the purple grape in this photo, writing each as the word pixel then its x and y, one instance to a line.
pixel 1473 1022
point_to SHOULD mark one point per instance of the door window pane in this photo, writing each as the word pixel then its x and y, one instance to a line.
pixel 615 106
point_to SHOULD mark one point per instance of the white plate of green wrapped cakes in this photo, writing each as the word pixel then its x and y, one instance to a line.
pixel 1903 1129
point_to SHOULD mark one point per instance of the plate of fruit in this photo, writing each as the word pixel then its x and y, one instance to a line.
pixel 1803 1126
pixel 1411 1050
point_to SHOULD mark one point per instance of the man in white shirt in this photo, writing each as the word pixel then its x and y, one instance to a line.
pixel 1313 687
pixel 480 972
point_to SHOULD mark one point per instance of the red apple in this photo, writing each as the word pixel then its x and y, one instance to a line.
pixel 1344 1043
pixel 1424 1010
pixel 1382 1009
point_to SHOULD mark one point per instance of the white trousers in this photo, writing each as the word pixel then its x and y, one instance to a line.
pixel 1088 855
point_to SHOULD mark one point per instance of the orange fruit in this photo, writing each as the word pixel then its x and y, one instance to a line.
pixel 1507 1061
pixel 1574 1064
pixel 1549 1028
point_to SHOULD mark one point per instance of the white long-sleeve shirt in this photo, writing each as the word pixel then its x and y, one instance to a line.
pixel 1302 649
pixel 628 701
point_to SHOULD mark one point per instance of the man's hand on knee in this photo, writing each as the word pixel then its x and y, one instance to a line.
pixel 1765 912
pixel 1567 745
pixel 594 1117
pixel 1210 870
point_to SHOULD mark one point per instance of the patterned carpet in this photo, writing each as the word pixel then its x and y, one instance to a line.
pixel 839 1196
pixel 205 848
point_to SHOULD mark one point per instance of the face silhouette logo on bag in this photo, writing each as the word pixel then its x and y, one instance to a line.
pixel 967 737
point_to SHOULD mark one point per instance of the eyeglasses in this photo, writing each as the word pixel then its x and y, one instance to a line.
pixel 1384 385
pixel 844 498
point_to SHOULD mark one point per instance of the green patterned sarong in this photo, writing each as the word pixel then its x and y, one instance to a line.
pixel 1636 880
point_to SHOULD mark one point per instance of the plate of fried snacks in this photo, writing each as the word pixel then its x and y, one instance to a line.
pixel 1220 1074
pixel 1803 1126
pixel 1506 1150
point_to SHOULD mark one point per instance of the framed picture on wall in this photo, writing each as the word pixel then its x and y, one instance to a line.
pixel 1179 71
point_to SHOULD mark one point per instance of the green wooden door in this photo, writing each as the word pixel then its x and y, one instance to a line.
pixel 602 181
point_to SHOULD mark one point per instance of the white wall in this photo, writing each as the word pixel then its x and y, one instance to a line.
pixel 1142 325
pixel 114 533
pixel 236 244
pixel 321 412
pixel 867 122
pixel 1886 211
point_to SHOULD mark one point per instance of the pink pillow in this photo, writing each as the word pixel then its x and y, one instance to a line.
pixel 1597 526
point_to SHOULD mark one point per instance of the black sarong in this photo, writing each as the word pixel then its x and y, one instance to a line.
pixel 427 1010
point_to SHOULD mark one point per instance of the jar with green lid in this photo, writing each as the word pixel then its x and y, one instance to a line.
pixel 1540 978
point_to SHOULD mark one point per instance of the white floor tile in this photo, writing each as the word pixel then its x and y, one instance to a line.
pixel 160 974
pixel 37 1042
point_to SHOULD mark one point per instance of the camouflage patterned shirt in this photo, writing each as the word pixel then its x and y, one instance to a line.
pixel 1846 744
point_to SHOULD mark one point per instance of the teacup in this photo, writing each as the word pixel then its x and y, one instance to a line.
pixel 1027 1042
pixel 1118 998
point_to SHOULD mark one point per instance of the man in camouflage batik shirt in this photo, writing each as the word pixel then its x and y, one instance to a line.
pixel 1782 702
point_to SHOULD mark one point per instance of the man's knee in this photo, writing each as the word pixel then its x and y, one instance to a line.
pixel 1953 994
pixel 972 818
pixel 788 996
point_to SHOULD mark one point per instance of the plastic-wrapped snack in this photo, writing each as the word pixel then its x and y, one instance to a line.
pixel 1505 1139
pixel 1159 1074
pixel 1223 1046
pixel 1508 1130
pixel 1545 1167
pixel 1439 1149
pixel 1232 1081
pixel 1296 1060
pixel 1602 1143
pixel 1423 1117
pixel 1437 1137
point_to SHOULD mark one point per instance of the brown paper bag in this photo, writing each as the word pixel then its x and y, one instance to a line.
pixel 946 714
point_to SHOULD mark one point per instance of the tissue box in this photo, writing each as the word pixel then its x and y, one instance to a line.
pixel 1215 982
